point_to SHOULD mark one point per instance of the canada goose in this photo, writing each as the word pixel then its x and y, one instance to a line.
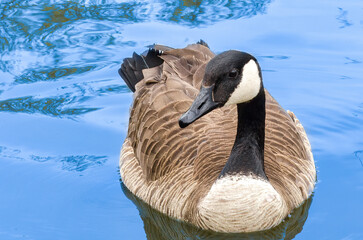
pixel 206 174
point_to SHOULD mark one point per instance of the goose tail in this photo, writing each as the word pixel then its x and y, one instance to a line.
pixel 131 68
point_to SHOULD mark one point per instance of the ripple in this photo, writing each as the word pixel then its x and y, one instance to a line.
pixel 352 61
pixel 54 106
pixel 343 19
pixel 344 77
pixel 88 90
pixel 29 20
pixel 49 74
pixel 197 13
pixel 358 111
pixel 55 39
pixel 276 57
pixel 78 163
pixel 62 100
pixel 359 156
pixel 112 89
pixel 72 163
pixel 64 35
pixel 10 153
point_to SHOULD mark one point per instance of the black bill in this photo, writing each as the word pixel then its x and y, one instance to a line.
pixel 202 105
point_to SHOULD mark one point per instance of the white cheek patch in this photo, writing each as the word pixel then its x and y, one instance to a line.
pixel 249 86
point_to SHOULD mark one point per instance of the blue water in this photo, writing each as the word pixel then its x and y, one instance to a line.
pixel 64 109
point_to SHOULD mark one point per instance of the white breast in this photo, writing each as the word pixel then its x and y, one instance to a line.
pixel 242 204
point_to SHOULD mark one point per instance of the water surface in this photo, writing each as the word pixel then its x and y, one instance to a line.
pixel 64 109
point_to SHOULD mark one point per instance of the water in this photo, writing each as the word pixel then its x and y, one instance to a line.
pixel 64 109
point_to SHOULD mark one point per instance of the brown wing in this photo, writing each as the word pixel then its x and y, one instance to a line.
pixel 288 160
pixel 160 99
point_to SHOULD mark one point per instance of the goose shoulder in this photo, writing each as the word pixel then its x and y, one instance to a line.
pixel 159 144
pixel 289 162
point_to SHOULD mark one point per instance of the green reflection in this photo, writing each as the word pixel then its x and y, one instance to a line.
pixel 199 13
pixel 112 89
pixel 36 20
pixel 50 74
pixel 47 106
pixel 56 40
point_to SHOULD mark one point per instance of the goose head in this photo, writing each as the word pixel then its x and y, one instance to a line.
pixel 232 77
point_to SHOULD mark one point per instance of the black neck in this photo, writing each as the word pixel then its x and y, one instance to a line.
pixel 247 153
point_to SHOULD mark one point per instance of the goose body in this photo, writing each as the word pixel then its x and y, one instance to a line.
pixel 206 174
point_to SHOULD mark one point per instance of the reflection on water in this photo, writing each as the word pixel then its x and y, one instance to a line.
pixel 49 74
pixel 159 226
pixel 59 28
pixel 343 19
pixel 56 41
pixel 199 12
pixel 47 106
pixel 77 163
pixel 66 104
pixel 278 57
pixel 359 156
pixel 67 100
pixel 352 61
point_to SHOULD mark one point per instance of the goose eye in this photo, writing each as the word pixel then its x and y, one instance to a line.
pixel 233 73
